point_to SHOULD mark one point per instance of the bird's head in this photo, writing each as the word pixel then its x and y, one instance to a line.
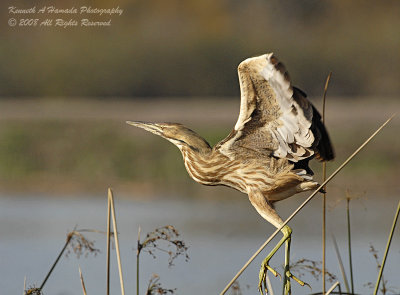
pixel 176 133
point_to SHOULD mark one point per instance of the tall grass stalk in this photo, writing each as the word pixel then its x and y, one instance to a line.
pixel 82 281
pixel 332 288
pixel 387 248
pixel 304 204
pixel 108 244
pixel 324 194
pixel 139 247
pixel 349 243
pixel 121 279
pixel 69 237
pixel 346 283
pixel 269 285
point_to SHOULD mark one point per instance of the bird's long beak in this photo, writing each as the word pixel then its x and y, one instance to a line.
pixel 151 127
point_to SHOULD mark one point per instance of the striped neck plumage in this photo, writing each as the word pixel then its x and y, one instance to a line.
pixel 202 166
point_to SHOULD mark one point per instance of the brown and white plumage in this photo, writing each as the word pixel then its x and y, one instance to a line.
pixel 266 155
pixel 275 118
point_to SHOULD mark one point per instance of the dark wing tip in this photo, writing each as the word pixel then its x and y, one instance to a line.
pixel 324 148
pixel 280 67
pixel 322 145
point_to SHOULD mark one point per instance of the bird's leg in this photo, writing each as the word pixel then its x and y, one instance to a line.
pixel 286 279
pixel 265 209
pixel 286 230
pixel 287 274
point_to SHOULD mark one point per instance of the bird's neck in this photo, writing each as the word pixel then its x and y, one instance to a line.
pixel 203 166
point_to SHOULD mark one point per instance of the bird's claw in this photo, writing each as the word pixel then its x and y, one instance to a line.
pixel 262 285
pixel 289 275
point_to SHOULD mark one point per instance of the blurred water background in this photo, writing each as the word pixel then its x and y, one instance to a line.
pixel 221 237
pixel 65 95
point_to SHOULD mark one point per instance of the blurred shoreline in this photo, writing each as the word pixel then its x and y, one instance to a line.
pixel 82 146
pixel 202 109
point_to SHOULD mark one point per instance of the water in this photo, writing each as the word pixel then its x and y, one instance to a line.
pixel 221 235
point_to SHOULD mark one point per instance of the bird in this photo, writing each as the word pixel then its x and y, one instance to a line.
pixel 267 153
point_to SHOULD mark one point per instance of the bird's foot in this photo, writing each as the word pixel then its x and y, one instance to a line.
pixel 262 285
pixel 287 286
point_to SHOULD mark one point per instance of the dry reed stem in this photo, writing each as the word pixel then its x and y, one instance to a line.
pixel 121 279
pixel 108 244
pixel 387 248
pixel 341 264
pixel 69 237
pixel 305 203
pixel 82 281
pixel 349 244
pixel 332 288
pixel 269 285
pixel 324 194
pixel 139 245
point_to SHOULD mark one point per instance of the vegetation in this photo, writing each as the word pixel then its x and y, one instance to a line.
pixel 160 240
pixel 73 155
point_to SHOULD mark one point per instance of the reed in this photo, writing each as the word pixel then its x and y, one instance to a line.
pixel 69 237
pixel 324 193
pixel 82 281
pixel 387 248
pixel 341 264
pixel 108 246
pixel 114 220
pixel 349 243
pixel 332 288
pixel 139 248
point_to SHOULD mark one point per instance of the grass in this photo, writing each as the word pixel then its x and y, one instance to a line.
pixel 382 265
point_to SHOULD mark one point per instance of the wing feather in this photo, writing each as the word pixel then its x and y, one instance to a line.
pixel 275 118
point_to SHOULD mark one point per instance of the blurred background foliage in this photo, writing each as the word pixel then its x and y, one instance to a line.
pixel 192 48
pixel 66 92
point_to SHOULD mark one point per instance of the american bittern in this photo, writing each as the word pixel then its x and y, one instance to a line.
pixel 267 153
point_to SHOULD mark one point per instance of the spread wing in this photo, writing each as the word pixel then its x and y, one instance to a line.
pixel 275 119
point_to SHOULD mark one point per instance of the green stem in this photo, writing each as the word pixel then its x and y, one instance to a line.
pixel 387 248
